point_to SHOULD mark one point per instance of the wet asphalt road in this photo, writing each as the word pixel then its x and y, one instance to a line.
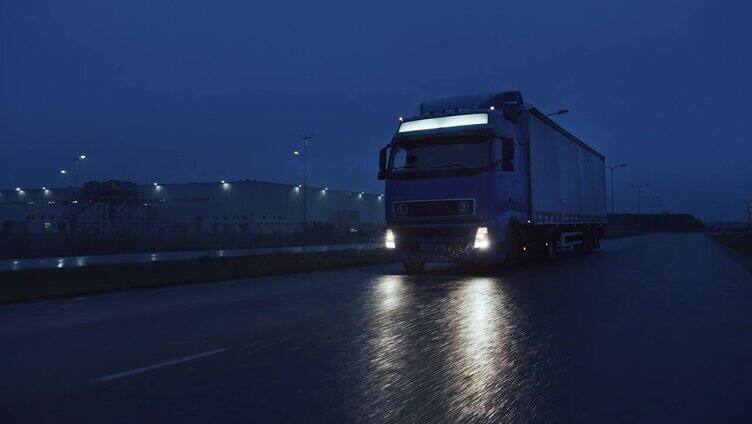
pixel 650 328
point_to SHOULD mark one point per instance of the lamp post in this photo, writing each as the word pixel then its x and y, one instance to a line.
pixel 305 140
pixel 75 166
pixel 612 182
pixel 639 188
pixel 652 201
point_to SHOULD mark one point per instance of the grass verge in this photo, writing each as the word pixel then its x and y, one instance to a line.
pixel 36 284
pixel 740 242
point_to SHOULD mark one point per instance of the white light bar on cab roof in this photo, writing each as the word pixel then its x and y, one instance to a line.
pixel 444 122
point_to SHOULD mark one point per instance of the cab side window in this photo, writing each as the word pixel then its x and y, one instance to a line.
pixel 399 158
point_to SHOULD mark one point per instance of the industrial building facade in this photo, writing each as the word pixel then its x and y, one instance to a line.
pixel 187 214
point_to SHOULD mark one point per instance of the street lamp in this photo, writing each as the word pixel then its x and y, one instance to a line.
pixel 612 182
pixel 63 172
pixel 653 201
pixel 304 140
pixel 639 188
pixel 75 165
pixel 558 112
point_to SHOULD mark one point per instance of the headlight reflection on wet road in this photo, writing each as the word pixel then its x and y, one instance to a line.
pixel 446 346
pixel 479 337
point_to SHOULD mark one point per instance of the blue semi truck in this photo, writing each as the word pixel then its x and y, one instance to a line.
pixel 487 177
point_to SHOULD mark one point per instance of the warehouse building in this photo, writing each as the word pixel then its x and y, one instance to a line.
pixel 191 214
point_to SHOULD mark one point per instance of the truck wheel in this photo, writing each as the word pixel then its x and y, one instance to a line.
pixel 513 249
pixel 586 244
pixel 414 267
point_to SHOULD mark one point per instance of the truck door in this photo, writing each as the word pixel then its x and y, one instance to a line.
pixel 510 170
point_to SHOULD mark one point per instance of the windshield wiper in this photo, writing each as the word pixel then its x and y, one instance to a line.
pixel 408 169
pixel 449 165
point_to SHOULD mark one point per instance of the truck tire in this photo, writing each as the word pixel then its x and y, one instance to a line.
pixel 597 240
pixel 414 267
pixel 513 248
pixel 586 245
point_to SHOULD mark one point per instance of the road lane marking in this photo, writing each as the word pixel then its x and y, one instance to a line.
pixel 155 366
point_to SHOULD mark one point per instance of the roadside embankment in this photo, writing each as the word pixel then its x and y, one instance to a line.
pixel 739 241
pixel 35 284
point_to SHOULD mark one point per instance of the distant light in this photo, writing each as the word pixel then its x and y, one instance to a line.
pixel 300 185
pixel 63 171
pixel 444 122
pixel 156 185
pixel 82 157
pixel 491 108
pixel 296 153
pixel 44 188
pixel 401 119
pixel 223 182
pixel 326 188
pixel 75 201
pixel 18 188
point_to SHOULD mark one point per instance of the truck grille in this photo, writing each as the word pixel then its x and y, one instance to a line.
pixel 434 208
pixel 457 233
pixel 445 239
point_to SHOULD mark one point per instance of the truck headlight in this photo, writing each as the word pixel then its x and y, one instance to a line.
pixel 389 240
pixel 481 239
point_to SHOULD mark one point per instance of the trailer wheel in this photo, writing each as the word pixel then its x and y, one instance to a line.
pixel 414 267
pixel 513 248
pixel 587 242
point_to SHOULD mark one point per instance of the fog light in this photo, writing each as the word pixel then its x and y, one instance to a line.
pixel 481 239
pixel 389 240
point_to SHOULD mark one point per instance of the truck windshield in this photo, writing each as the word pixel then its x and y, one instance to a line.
pixel 422 156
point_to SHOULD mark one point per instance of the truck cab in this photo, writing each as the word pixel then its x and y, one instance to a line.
pixel 487 177
pixel 456 180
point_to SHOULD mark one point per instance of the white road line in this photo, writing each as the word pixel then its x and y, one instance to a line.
pixel 155 366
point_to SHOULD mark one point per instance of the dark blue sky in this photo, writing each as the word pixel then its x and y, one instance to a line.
pixel 195 91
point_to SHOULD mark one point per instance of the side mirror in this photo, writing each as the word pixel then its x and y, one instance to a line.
pixel 382 163
pixel 507 154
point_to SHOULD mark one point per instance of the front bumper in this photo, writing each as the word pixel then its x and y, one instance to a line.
pixel 445 244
